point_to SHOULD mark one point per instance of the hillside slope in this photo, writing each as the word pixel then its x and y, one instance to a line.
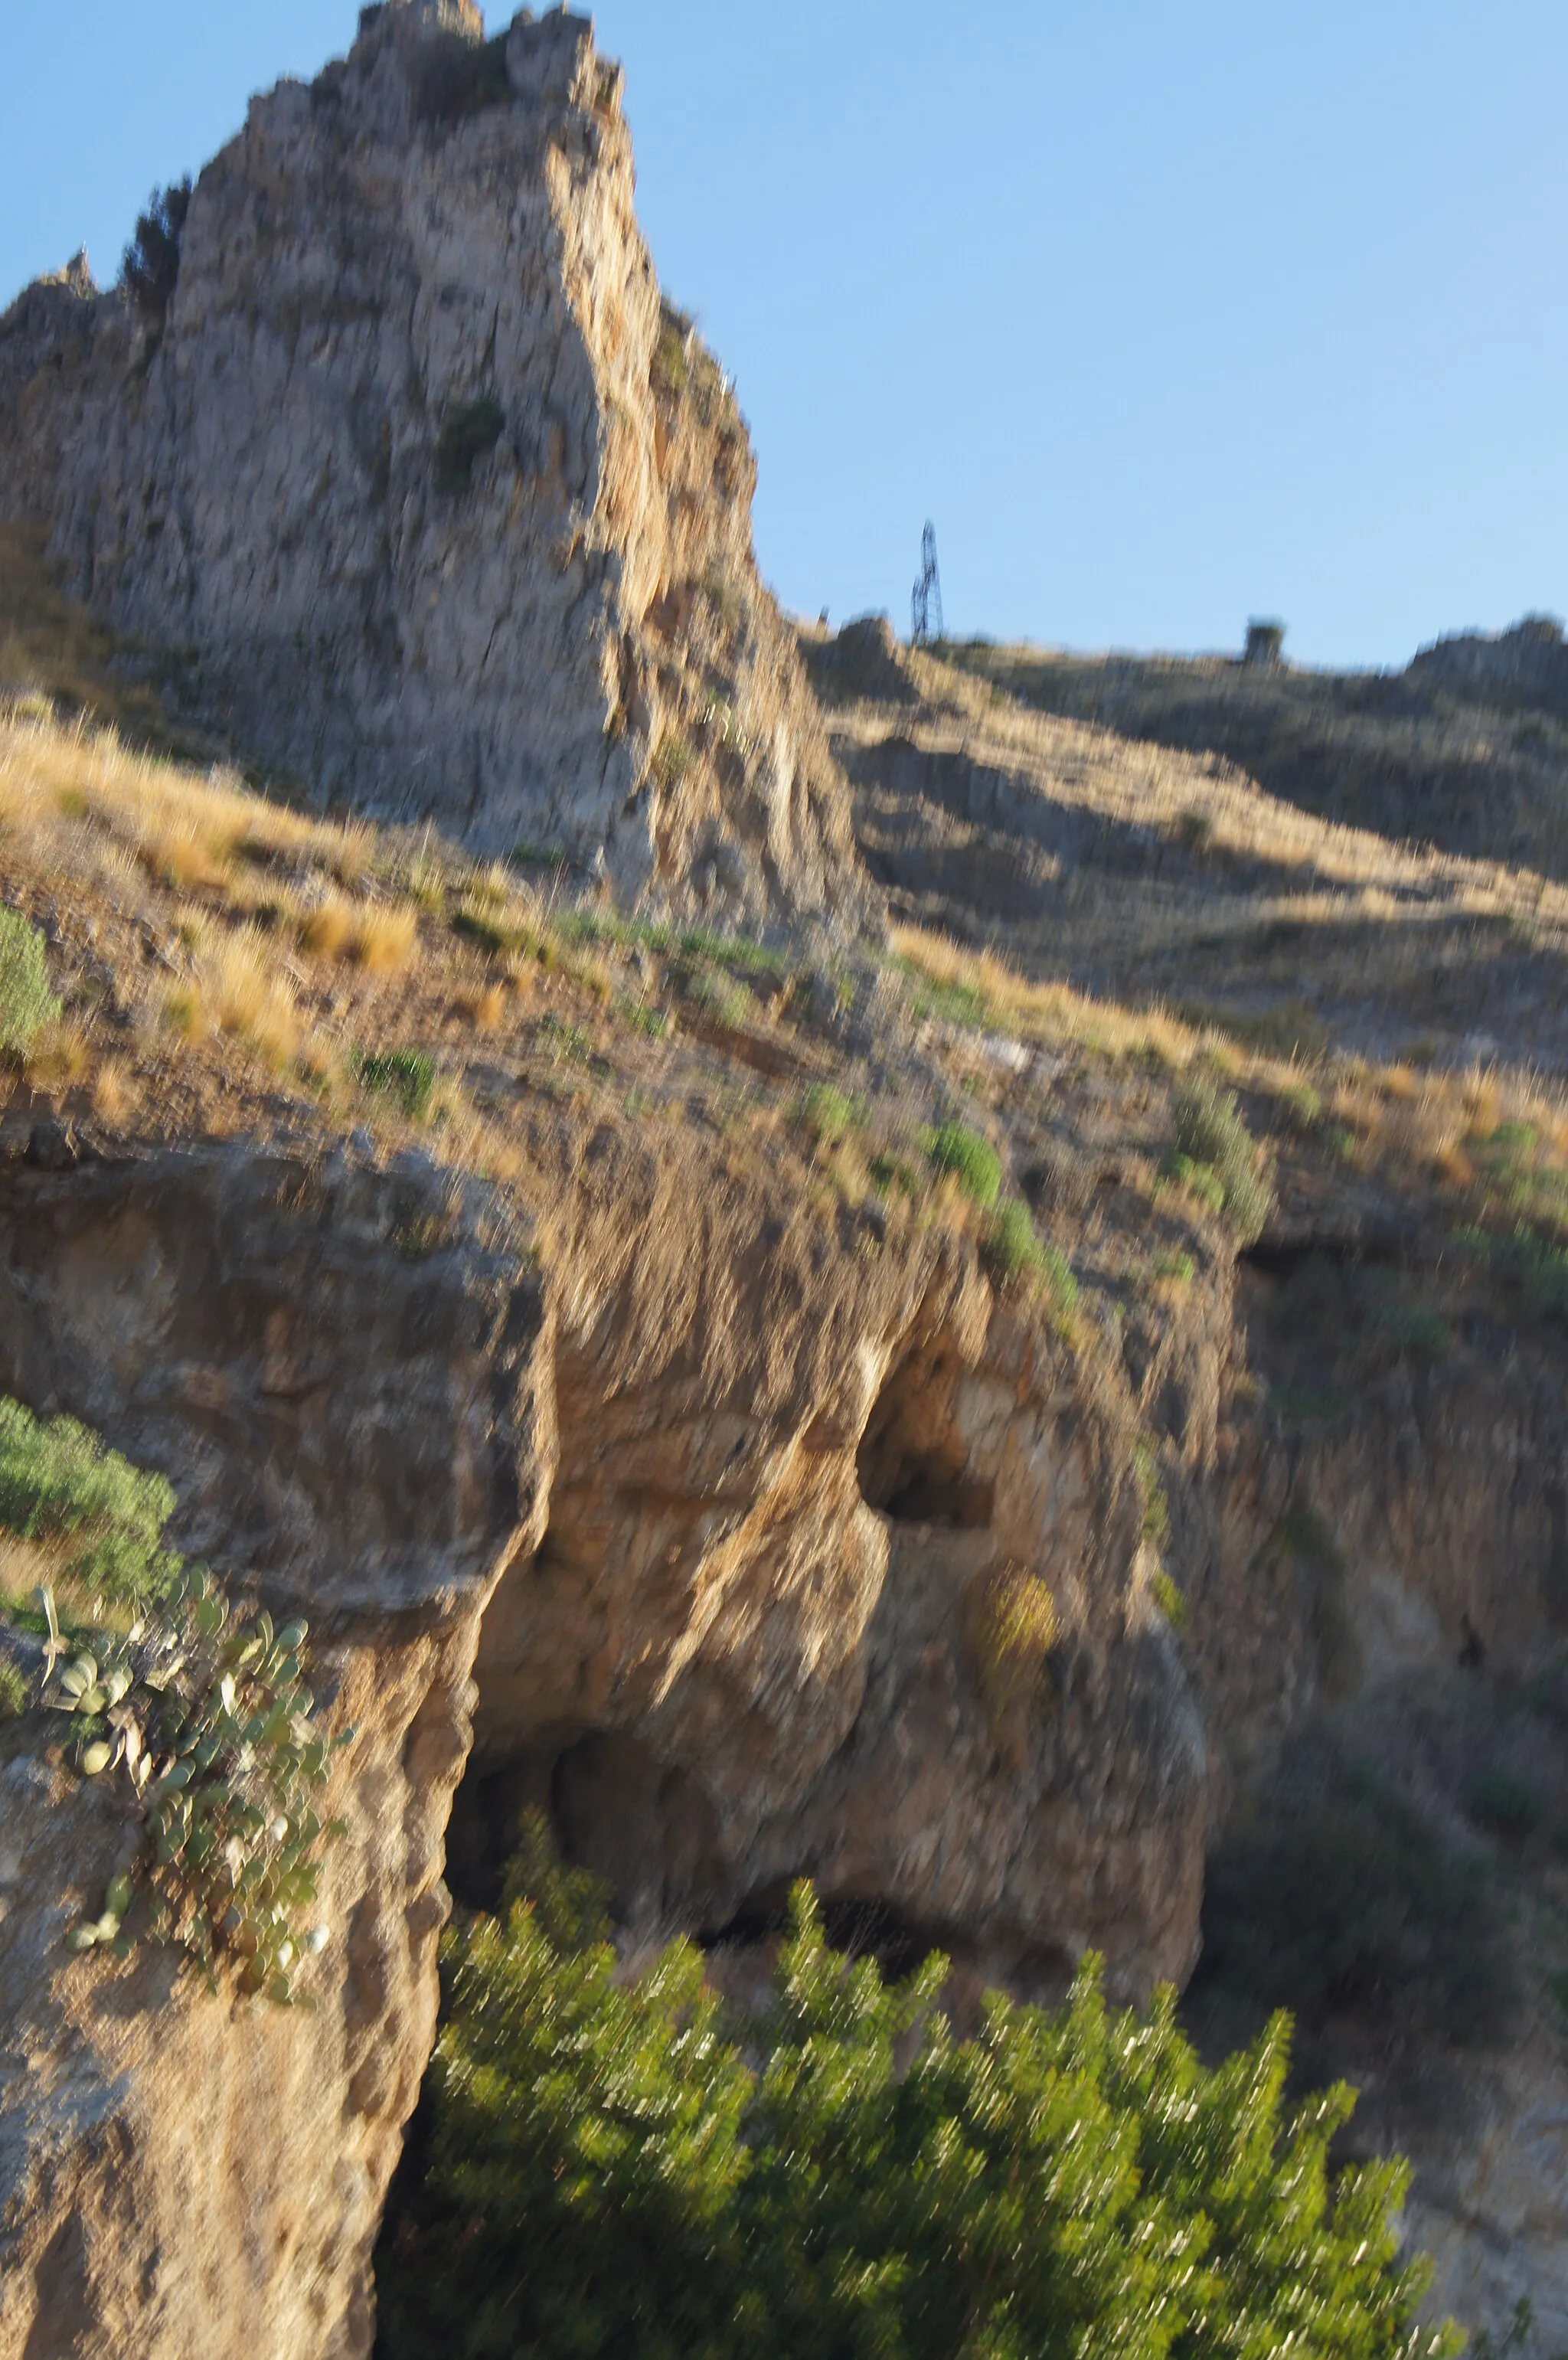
pixel 784 1328
pixel 1157 876
pixel 1466 750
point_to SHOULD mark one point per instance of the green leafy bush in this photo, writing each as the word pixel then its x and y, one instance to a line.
pixel 829 1115
pixel 1534 1267
pixel 607 2171
pixel 1170 1597
pixel 205 1720
pixel 972 1160
pixel 58 1482
pixel 26 1003
pixel 1215 1157
pixel 406 1075
pixel 201 1717
pixel 717 994
pixel 672 761
pixel 469 433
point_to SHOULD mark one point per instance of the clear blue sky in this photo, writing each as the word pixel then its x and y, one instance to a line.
pixel 1168 312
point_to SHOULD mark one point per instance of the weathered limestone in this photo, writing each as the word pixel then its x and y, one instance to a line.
pixel 423 495
pixel 715 1494
pixel 184 2176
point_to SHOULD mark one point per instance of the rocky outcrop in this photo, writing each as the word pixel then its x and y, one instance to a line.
pixel 425 495
pixel 793 1459
pixel 358 1438
pixel 711 1507
pixel 688 1535
pixel 1525 665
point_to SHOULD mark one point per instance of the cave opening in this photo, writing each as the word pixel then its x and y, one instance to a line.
pixel 858 1926
pixel 642 1826
pixel 912 1464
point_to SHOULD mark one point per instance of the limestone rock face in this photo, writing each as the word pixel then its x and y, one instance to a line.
pixel 423 493
pixel 184 2176
pixel 716 1498
pixel 792 1461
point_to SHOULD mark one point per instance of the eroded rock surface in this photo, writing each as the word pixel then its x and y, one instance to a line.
pixel 424 494
pixel 356 1437
pixel 719 1492
pixel 791 1457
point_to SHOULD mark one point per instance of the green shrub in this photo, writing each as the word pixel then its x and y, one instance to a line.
pixel 200 1717
pixel 1198 1180
pixel 1215 1156
pixel 469 433
pixel 972 1160
pixel 1013 1252
pixel 644 1017
pixel 203 1721
pixel 891 1172
pixel 669 371
pixel 58 1482
pixel 13 1694
pixel 1302 1106
pixel 150 265
pixel 1537 1269
pixel 26 1003
pixel 1170 1597
pixel 606 2171
pixel 406 1075
pixel 717 994
pixel 1152 1493
pixel 672 761
pixel 829 1116
pixel 1010 1244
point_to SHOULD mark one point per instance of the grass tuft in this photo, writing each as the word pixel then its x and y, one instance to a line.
pixel 26 1003
pixel 407 1075
pixel 972 1161
pixel 1214 1157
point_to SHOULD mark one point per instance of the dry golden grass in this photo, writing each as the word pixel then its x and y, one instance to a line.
pixel 487 1009
pixel 61 1057
pixel 183 825
pixel 236 989
pixel 114 1091
pixel 378 935
pixel 1166 881
pixel 1009 1000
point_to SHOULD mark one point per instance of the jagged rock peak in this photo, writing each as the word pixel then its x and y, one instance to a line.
pixel 421 17
pixel 446 511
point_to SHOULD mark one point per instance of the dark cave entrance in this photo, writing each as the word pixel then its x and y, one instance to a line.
pixel 643 1826
pixel 912 1464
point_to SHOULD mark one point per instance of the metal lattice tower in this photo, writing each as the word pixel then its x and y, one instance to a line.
pixel 925 607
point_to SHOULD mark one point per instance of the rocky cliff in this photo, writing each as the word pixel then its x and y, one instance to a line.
pixel 360 1439
pixel 717 1471
pixel 416 488
pixel 719 1511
